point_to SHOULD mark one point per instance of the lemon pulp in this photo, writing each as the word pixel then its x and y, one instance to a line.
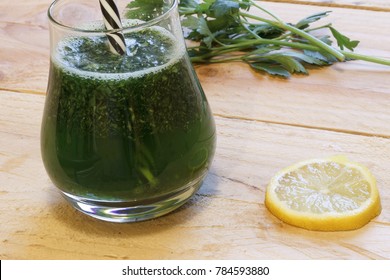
pixel 324 194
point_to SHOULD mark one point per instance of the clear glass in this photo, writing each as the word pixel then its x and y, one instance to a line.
pixel 124 138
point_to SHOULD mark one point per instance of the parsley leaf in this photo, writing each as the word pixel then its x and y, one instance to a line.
pixel 226 31
pixel 271 68
pixel 305 23
pixel 343 41
pixel 224 7
pixel 145 9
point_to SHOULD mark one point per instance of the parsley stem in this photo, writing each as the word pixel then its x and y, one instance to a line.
pixel 301 33
pixel 218 60
pixel 266 11
pixel 228 32
pixel 255 42
pixel 318 28
pixel 206 57
pixel 368 58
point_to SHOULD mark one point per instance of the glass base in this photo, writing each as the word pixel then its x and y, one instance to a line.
pixel 124 212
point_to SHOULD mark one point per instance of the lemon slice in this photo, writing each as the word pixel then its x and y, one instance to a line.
pixel 329 194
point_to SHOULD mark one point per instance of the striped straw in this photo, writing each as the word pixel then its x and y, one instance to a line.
pixel 112 22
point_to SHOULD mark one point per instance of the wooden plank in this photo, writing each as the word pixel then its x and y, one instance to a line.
pixel 341 98
pixel 33 12
pixel 24 57
pixel 225 220
pixel 20 113
pixel 375 5
pixel 351 97
pixel 24 30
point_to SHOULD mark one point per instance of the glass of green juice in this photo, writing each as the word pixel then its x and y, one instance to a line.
pixel 124 137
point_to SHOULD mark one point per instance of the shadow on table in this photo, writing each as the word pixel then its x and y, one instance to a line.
pixel 77 222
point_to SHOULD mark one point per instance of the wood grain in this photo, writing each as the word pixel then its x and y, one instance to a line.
pixel 343 97
pixel 226 219
pixel 263 124
pixel 299 101
pixel 375 5
pixel 24 60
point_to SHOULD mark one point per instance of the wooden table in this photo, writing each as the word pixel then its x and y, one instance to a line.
pixel 264 124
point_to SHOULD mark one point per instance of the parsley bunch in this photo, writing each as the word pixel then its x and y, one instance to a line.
pixel 226 30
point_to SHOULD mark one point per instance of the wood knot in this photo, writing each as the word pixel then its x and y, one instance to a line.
pixel 208 71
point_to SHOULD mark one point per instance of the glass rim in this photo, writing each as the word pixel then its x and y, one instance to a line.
pixel 135 27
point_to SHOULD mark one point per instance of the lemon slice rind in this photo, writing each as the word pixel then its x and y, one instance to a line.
pixel 328 221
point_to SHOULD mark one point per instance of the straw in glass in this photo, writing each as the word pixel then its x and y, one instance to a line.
pixel 112 22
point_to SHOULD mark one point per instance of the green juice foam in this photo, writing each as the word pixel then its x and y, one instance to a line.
pixel 147 51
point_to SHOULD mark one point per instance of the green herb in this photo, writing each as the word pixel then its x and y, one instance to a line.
pixel 227 31
pixel 145 9
pixel 343 41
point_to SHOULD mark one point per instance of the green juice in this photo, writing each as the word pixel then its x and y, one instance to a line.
pixel 125 128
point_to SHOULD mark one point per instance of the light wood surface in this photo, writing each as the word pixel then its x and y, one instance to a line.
pixel 263 123
pixel 376 5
